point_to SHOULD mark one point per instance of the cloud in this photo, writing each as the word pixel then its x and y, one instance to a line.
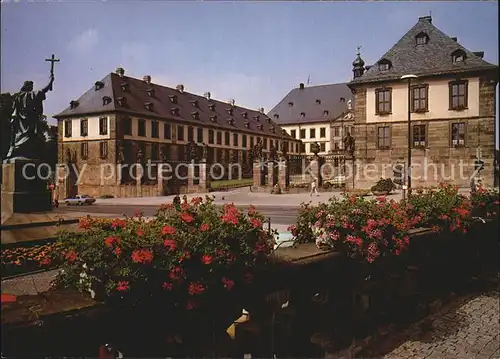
pixel 85 41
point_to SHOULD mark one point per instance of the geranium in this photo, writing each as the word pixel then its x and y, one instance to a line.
pixel 195 288
pixel 186 217
pixel 228 283
pixel 170 244
pixel 168 230
pixel 204 227
pixel 143 256
pixel 206 259
pixel 122 286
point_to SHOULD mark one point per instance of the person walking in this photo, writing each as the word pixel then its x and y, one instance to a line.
pixel 313 189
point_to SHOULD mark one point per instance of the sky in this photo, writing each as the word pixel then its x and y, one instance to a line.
pixel 254 52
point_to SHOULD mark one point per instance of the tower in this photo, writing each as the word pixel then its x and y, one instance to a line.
pixel 358 65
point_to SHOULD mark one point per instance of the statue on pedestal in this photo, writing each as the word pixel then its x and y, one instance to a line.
pixel 349 144
pixel 315 148
pixel 272 153
pixel 205 151
pixel 257 151
pixel 191 151
pixel 284 150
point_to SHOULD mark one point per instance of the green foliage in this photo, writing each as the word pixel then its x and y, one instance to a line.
pixel 383 185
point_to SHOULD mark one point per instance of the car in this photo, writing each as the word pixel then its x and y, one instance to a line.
pixel 337 181
pixel 80 200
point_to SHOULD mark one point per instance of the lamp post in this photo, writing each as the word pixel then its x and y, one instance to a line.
pixel 408 167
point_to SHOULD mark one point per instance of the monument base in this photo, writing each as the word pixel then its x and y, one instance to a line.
pixel 27 204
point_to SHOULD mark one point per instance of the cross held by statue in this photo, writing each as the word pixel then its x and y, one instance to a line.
pixel 52 60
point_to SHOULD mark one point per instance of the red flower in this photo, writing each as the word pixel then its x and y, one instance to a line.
pixel 122 286
pixel 170 244
pixel 118 223
pixel 231 214
pixel 206 259
pixel 71 256
pixel 167 286
pixel 111 240
pixel 195 288
pixel 168 230
pixel 142 256
pixel 184 256
pixel 176 273
pixel 228 283
pixel 191 304
pixel 381 199
pixel 256 222
pixel 205 227
pixel 138 214
pixel 251 210
pixel 118 251
pixel 46 261
pixel 196 200
pixel 139 232
pixel 186 217
pixel 84 223
pixel 184 206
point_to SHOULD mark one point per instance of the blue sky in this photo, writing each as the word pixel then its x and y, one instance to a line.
pixel 254 52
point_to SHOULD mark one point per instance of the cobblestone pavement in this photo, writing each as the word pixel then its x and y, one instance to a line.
pixel 30 284
pixel 466 329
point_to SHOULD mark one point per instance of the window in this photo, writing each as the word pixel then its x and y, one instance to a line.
pixel 103 125
pixel 336 145
pixel 127 126
pixel 312 133
pixel 384 140
pixel 68 128
pixel 235 139
pixel 142 128
pixel 155 129
pixel 458 95
pixel 155 149
pixel 322 132
pixel 322 146
pixel 419 98
pixel 219 138
pixel 226 139
pixel 419 136
pixel 264 143
pixel 458 134
pixel 180 132
pixel 199 135
pixel 458 56
pixel 336 131
pixel 422 38
pixel 293 133
pixel 103 149
pixel 302 147
pixel 271 143
pixel 84 127
pixel 190 133
pixel 84 150
pixel 384 65
pixel 302 133
pixel 167 131
pixel 211 136
pixel 244 141
pixel 251 142
pixel 383 101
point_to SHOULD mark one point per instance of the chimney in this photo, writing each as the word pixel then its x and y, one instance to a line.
pixel 426 18
pixel 147 79
pixel 301 86
pixel 180 88
pixel 454 39
pixel 207 95
pixel 120 71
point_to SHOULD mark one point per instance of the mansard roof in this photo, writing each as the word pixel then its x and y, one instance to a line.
pixel 132 96
pixel 312 104
pixel 433 55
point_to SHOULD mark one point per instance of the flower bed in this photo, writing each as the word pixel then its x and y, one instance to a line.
pixel 188 256
pixel 371 229
pixel 27 259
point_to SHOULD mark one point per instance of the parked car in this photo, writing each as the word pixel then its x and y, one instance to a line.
pixel 80 200
pixel 337 181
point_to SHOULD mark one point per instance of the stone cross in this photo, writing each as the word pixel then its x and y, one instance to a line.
pixel 52 60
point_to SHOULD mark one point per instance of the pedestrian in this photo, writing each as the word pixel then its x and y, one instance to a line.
pixel 184 199
pixel 313 189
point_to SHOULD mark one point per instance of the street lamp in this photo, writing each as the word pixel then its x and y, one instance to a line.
pixel 408 183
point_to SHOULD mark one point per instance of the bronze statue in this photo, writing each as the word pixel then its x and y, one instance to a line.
pixel 205 150
pixel 257 150
pixel 272 153
pixel 315 148
pixel 163 156
pixel 24 110
pixel 349 144
pixel 140 155
pixel 284 149
pixel 191 151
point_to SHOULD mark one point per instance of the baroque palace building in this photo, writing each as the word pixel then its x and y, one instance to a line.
pixel 124 120
pixel 451 99
pixel 316 114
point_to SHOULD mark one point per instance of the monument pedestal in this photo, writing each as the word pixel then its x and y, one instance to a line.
pixel 27 204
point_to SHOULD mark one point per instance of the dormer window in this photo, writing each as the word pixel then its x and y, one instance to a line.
pixel 257 118
pixel 422 38
pixel 247 124
pixel 325 113
pixel 230 121
pixel 318 102
pixel 174 111
pixel 302 114
pixel 276 116
pixel 272 129
pixel 245 114
pixel 122 101
pixel 213 118
pixel 260 127
pixel 99 85
pixel 458 56
pixel 106 100
pixel 149 106
pixel 151 92
pixel 73 104
pixel 173 98
pixel 212 107
pixel 125 87
pixel 195 103
pixel 384 65
pixel 268 120
pixel 230 111
pixel 290 104
pixel 195 115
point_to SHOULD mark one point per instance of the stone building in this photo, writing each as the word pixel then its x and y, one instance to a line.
pixel 122 120
pixel 451 93
pixel 316 114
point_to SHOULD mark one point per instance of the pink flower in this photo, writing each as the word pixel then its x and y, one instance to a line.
pixel 204 227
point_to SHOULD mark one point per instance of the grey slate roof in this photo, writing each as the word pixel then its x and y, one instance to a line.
pixel 306 101
pixel 91 103
pixel 433 58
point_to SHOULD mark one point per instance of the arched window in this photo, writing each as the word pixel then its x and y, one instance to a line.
pixel 458 56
